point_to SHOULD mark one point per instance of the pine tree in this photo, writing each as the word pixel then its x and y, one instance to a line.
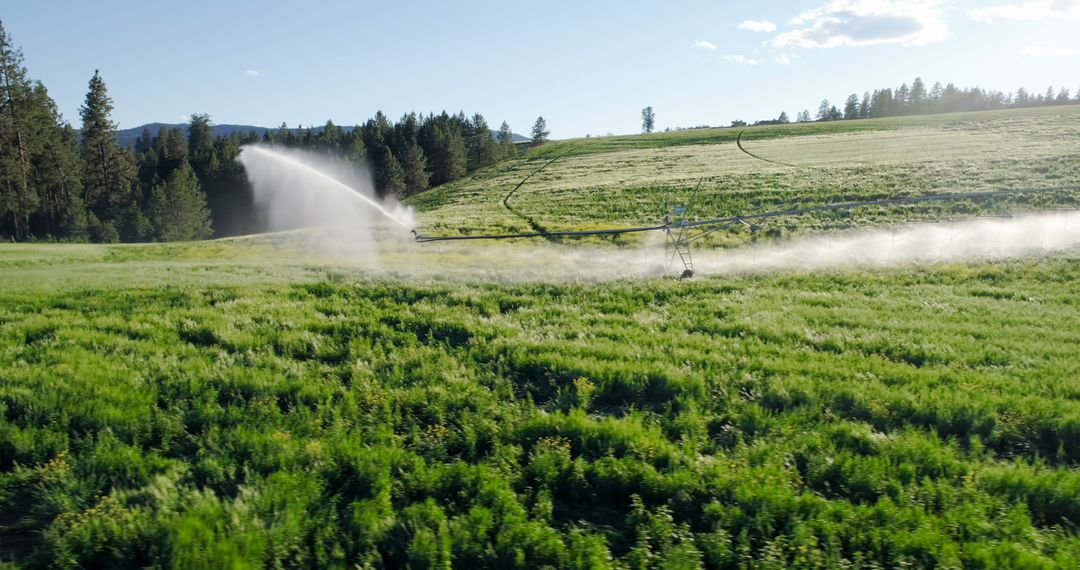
pixel 864 106
pixel 824 113
pixel 200 145
pixel 107 170
pixel 934 101
pixel 648 120
pixel 229 194
pixel 329 140
pixel 444 145
pixel 481 145
pixel 355 151
pixel 851 107
pixel 506 141
pixel 804 116
pixel 783 118
pixel 918 96
pixel 57 176
pixel 414 165
pixel 539 131
pixel 902 99
pixel 453 165
pixel 1022 98
pixel 177 208
pixel 174 153
pixel 18 197
pixel 389 176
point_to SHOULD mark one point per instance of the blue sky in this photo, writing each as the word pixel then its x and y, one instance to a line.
pixel 586 66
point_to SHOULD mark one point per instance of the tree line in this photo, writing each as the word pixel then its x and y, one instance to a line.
pixel 59 183
pixel 917 99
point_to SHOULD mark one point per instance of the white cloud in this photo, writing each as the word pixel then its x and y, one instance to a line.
pixel 741 59
pixel 704 44
pixel 252 72
pixel 782 59
pixel 865 23
pixel 757 26
pixel 1031 11
pixel 184 118
pixel 1039 49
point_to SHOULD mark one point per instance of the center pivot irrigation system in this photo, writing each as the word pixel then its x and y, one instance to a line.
pixel 681 231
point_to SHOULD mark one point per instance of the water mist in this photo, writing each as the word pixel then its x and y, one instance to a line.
pixel 297 190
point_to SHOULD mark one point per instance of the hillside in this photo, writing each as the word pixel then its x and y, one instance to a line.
pixel 635 180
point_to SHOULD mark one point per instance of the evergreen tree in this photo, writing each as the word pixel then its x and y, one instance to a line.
pixel 414 165
pixel 228 191
pixel 950 98
pixel 481 145
pixel 539 131
pixel 178 210
pixel 881 103
pixel 506 141
pixel 389 176
pixel 107 169
pixel 451 164
pixel 824 113
pixel 804 116
pixel 444 145
pixel 200 145
pixel 648 120
pixel 851 107
pixel 918 96
pixel 864 106
pixel 57 174
pixel 783 118
pixel 355 151
pixel 133 225
pixel 331 137
pixel 902 99
pixel 174 153
pixel 1022 98
pixel 283 135
pixel 18 196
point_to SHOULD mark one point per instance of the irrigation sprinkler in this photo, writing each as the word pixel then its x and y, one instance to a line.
pixel 682 233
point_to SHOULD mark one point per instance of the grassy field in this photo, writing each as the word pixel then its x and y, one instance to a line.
pixel 274 402
pixel 622 181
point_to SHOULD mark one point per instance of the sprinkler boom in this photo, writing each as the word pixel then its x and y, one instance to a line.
pixel 683 232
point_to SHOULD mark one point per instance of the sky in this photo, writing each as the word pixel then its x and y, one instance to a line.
pixel 588 67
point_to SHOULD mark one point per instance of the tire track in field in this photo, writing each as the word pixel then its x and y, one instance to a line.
pixel 533 224
pixel 738 141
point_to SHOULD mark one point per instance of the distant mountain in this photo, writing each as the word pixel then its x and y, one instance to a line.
pixel 127 137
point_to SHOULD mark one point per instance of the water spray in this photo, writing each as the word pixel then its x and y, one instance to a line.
pixel 333 181
pixel 678 227
pixel 683 232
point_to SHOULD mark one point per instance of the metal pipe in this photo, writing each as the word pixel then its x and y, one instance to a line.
pixel 740 219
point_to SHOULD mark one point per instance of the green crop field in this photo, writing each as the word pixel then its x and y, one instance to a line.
pixel 607 182
pixel 277 402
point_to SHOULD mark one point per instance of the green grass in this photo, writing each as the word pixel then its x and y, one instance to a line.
pixel 271 402
pixel 850 160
